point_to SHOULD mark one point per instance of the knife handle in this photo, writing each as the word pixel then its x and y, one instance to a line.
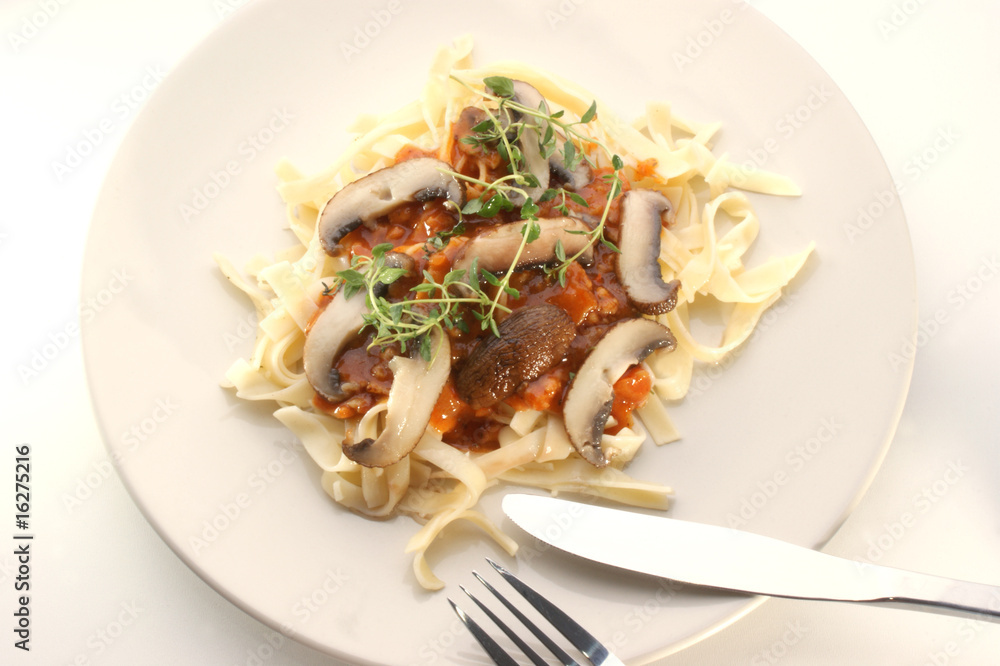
pixel 946 596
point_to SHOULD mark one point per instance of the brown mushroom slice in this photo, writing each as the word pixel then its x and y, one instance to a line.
pixel 377 194
pixel 638 266
pixel 529 141
pixel 527 95
pixel 338 323
pixel 591 392
pixel 531 341
pixel 495 249
pixel 416 386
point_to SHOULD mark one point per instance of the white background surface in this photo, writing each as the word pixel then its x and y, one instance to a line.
pixel 105 590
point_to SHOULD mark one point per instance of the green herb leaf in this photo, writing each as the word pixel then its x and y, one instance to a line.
pixel 560 251
pixel 590 114
pixel 532 230
pixel 352 277
pixel 529 211
pixel 472 206
pixel 569 154
pixel 491 206
pixel 484 126
pixel 492 279
pixel 501 85
pixel 387 276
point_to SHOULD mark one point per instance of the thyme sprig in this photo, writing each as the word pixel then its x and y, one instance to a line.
pixel 430 305
pixel 496 195
pixel 441 304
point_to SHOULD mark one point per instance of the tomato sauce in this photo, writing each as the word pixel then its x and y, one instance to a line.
pixel 631 391
pixel 591 296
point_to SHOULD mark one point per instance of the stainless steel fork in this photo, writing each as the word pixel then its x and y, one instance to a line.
pixel 574 633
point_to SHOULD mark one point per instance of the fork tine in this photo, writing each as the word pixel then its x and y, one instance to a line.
pixel 496 653
pixel 553 647
pixel 525 648
pixel 568 627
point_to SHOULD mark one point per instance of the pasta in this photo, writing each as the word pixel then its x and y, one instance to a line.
pixel 437 483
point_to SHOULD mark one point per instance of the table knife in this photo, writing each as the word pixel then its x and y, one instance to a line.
pixel 729 559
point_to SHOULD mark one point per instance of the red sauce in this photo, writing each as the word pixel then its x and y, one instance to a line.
pixel 591 296
pixel 631 391
pixel 462 426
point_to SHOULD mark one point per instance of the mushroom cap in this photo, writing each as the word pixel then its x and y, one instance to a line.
pixel 377 194
pixel 591 392
pixel 637 265
pixel 532 340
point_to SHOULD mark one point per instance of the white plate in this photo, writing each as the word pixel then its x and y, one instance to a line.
pixel 785 440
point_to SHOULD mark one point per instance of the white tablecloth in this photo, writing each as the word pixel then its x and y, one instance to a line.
pixel 924 77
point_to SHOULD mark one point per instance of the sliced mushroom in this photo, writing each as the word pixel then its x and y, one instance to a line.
pixel 591 392
pixel 575 178
pixel 528 142
pixel 377 194
pixel 335 326
pixel 638 266
pixel 527 95
pixel 416 386
pixel 495 249
pixel 531 341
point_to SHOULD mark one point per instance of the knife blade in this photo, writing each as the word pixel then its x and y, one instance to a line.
pixel 729 559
